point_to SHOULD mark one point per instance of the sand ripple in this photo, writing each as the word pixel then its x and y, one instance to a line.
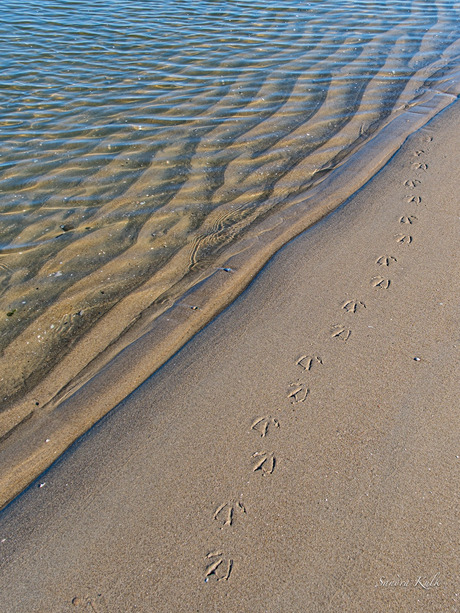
pixel 137 145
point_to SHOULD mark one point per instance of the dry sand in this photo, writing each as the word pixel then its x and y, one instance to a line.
pixel 241 479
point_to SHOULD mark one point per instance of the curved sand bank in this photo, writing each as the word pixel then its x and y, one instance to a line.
pixel 123 350
pixel 299 454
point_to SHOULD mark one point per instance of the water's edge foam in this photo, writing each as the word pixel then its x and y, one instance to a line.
pixel 35 440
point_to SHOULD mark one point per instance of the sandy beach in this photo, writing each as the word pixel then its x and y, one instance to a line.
pixel 299 454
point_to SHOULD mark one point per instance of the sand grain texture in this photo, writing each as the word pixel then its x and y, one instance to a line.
pixel 313 370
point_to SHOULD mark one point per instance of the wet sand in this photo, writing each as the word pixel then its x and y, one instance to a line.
pixel 140 333
pixel 300 453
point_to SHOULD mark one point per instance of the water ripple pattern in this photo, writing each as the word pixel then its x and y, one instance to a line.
pixel 139 138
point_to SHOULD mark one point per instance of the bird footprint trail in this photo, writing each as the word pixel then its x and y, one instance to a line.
pixel 219 567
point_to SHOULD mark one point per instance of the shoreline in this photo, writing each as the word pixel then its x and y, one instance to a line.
pixel 304 441
pixel 155 339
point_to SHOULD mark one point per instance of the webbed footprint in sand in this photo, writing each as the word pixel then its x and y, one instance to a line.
pixel 385 260
pixel 407 219
pixel 91 605
pixel 306 361
pixel 219 566
pixel 265 462
pixel 299 393
pixel 262 425
pixel 225 513
pixel 351 306
pixel 340 332
pixel 412 182
pixel 380 282
pixel 404 239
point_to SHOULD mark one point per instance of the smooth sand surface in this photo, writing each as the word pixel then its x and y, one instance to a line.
pixel 301 453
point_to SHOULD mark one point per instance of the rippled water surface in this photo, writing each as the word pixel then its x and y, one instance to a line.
pixel 138 138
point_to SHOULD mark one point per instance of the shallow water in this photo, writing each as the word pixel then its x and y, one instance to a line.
pixel 139 138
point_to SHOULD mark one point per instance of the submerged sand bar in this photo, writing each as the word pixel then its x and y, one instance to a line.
pixel 299 454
